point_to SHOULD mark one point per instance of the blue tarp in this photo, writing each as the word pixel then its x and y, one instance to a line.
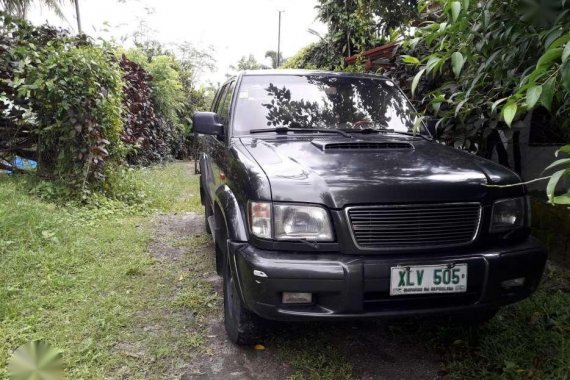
pixel 22 164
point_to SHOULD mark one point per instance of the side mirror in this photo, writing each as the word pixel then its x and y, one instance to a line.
pixel 207 123
pixel 431 126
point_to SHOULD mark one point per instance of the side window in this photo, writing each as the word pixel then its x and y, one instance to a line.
pixel 225 104
pixel 218 98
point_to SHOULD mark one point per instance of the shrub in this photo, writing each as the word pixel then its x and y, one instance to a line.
pixel 169 130
pixel 77 97
pixel 79 109
pixel 140 119
pixel 61 102
pixel 168 95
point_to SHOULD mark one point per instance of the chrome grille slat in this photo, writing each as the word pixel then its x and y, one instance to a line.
pixel 407 210
pixel 414 226
pixel 411 224
pixel 424 233
pixel 409 215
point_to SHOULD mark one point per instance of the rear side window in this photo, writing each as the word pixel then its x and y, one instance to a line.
pixel 218 98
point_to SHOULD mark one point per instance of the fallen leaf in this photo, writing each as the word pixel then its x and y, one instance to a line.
pixel 259 347
pixel 534 318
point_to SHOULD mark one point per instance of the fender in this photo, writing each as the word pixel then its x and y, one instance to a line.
pixel 205 174
pixel 235 223
pixel 202 167
pixel 236 228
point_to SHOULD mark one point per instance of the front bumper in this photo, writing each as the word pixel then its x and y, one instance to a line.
pixel 357 286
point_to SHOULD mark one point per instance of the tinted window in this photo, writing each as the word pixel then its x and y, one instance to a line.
pixel 321 101
pixel 225 104
pixel 218 98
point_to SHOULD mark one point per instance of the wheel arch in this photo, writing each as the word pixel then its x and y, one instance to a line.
pixel 235 223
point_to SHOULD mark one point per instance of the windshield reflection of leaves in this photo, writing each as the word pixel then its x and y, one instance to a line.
pixel 354 100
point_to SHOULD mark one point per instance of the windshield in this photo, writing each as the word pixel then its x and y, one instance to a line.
pixel 321 101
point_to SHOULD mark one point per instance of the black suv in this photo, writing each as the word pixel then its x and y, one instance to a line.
pixel 329 199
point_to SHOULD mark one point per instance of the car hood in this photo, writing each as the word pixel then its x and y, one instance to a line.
pixel 398 170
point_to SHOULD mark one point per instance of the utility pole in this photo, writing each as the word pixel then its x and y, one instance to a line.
pixel 278 59
pixel 78 15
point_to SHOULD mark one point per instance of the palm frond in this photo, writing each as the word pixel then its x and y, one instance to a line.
pixel 20 7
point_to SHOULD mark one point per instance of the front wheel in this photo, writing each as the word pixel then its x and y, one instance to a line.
pixel 242 326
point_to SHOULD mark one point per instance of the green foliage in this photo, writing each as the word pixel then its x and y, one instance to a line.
pixel 272 54
pixel 175 91
pixel 168 95
pixel 320 55
pixel 62 102
pixel 78 108
pixel 483 64
pixel 353 27
pixel 561 168
pixel 193 63
pixel 167 86
pixel 155 104
pixel 351 24
pixel 247 63
pixel 358 25
pixel 77 97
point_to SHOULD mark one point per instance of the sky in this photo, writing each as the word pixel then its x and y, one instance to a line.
pixel 229 29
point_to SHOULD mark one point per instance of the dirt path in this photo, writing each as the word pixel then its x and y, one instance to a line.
pixel 365 350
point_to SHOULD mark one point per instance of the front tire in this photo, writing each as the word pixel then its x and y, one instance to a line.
pixel 242 326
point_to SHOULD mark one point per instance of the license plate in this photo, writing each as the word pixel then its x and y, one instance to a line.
pixel 428 279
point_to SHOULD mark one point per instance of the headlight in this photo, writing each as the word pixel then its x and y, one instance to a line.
pixel 291 222
pixel 508 214
pixel 295 222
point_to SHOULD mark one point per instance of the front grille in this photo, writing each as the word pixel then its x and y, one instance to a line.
pixel 414 226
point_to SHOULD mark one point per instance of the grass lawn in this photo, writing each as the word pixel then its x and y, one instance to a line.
pixel 528 340
pixel 70 275
pixel 85 280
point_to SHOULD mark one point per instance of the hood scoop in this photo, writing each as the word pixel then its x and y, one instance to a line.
pixel 352 146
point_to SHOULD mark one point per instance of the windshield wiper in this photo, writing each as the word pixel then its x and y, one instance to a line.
pixel 367 131
pixel 285 130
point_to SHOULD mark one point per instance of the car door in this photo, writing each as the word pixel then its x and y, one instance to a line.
pixel 208 143
pixel 219 146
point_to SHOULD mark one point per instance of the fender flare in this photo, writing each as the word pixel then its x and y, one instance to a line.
pixel 236 224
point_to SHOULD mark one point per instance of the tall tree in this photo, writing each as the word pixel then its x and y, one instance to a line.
pixel 246 63
pixel 357 25
pixel 272 54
